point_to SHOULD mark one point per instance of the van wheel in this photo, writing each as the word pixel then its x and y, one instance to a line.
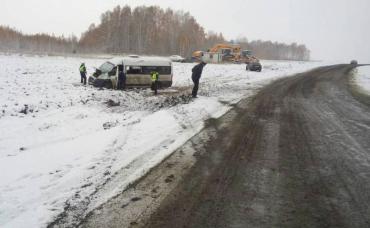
pixel 108 84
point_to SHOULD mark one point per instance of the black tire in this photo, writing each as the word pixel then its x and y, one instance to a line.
pixel 99 83
pixel 108 84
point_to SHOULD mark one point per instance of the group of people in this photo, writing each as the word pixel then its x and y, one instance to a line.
pixel 121 84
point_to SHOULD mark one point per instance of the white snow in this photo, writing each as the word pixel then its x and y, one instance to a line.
pixel 69 146
pixel 362 78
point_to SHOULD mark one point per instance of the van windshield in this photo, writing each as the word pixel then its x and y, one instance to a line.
pixel 106 67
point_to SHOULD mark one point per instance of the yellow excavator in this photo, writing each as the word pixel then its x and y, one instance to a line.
pixel 229 53
pixel 197 55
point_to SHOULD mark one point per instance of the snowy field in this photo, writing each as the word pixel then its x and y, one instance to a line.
pixel 362 79
pixel 63 145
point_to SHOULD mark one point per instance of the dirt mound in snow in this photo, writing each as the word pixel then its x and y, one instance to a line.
pixel 112 103
pixel 174 100
pixel 145 101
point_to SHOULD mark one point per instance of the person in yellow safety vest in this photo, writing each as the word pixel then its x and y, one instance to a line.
pixel 83 73
pixel 155 77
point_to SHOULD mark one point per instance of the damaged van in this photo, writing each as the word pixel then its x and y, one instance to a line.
pixel 137 70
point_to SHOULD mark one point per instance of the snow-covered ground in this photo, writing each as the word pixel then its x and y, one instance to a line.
pixel 62 145
pixel 362 79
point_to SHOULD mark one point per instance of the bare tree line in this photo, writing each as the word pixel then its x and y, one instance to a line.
pixel 143 30
pixel 275 50
pixel 12 40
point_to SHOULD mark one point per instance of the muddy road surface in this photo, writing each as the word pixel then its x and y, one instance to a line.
pixel 295 155
pixel 299 156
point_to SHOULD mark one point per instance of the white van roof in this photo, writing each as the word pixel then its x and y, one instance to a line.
pixel 141 61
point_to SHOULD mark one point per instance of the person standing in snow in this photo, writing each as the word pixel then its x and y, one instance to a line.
pixel 83 73
pixel 121 77
pixel 154 75
pixel 197 73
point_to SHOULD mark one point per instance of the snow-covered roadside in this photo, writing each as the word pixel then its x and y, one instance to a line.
pixel 67 145
pixel 362 79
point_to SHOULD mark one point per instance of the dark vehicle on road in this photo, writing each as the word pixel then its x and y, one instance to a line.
pixel 254 66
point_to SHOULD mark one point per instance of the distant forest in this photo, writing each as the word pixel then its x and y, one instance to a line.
pixel 143 30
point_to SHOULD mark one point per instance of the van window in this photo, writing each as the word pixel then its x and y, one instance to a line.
pixel 148 69
pixel 159 69
pixel 97 73
pixel 133 70
pixel 113 71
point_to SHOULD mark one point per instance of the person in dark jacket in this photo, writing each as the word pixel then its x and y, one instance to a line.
pixel 121 77
pixel 197 73
pixel 83 73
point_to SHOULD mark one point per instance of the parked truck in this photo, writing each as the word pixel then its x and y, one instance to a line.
pixel 252 62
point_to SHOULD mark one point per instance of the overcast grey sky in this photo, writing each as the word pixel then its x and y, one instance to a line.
pixel 332 29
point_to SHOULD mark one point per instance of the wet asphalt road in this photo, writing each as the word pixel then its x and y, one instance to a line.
pixel 296 155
